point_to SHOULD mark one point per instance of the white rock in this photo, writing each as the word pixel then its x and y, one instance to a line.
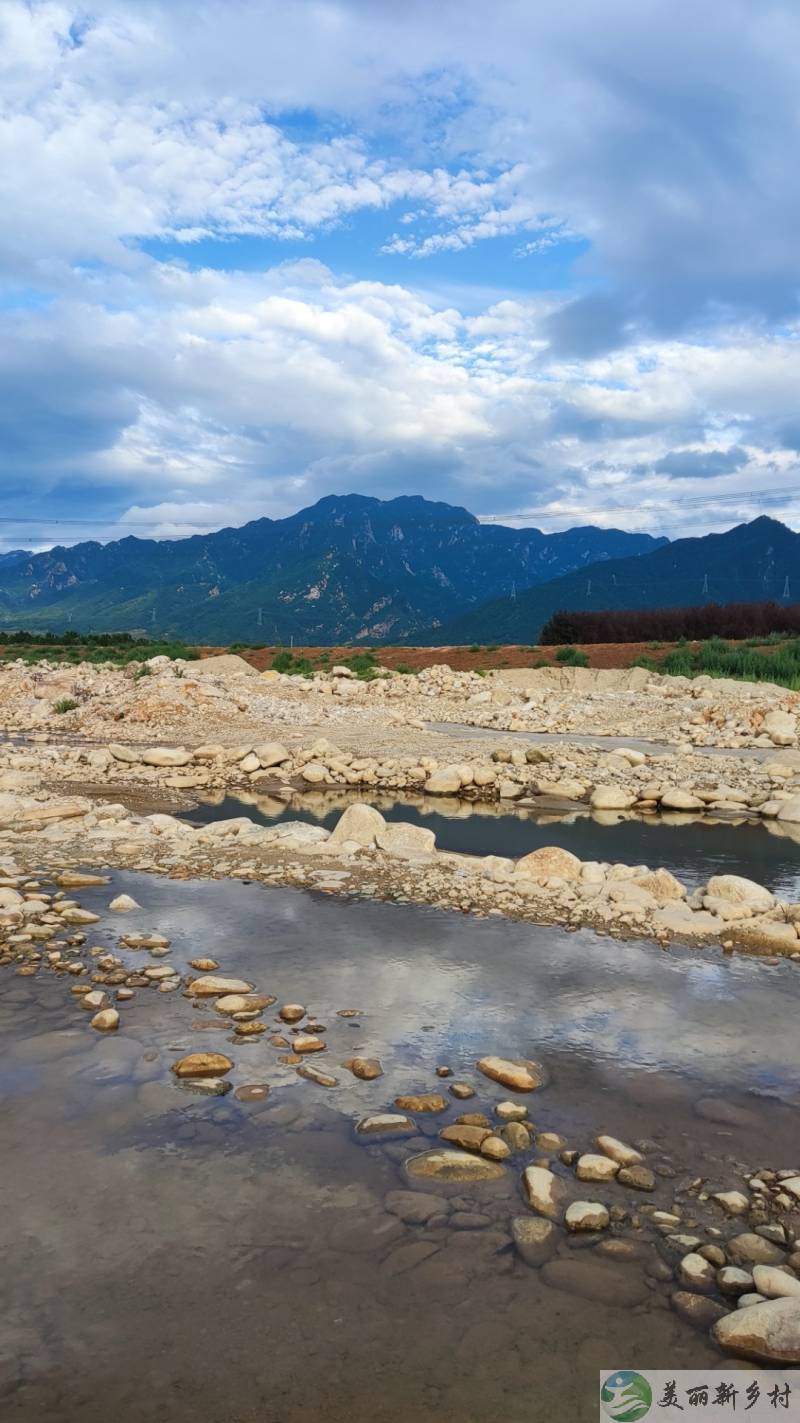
pixel 549 861
pixel 618 1151
pixel 123 904
pixel 780 727
pixel 611 798
pixel 543 1190
pixel 359 823
pixel 445 781
pixel 406 841
pixel 386 1124
pixel 775 1283
pixel 697 1273
pixel 768 1333
pixel 271 753
pixel 790 810
pixel 738 890
pixel 166 756
pixel 732 1202
pixel 734 1281
pixel 677 799
pixel 586 1215
pixel 596 1168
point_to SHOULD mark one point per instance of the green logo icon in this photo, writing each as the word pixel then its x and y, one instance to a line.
pixel 626 1396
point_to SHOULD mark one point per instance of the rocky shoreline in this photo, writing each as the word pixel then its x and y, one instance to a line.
pixel 39 779
pixel 366 855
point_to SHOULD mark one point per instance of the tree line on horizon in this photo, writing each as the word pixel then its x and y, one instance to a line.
pixel 727 620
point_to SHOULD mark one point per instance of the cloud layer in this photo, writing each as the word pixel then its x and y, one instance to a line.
pixel 233 244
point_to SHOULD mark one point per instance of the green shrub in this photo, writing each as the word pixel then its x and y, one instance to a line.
pixel 66 704
pixel 572 657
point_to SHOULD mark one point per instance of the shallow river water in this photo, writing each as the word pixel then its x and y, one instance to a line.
pixel 692 848
pixel 169 1257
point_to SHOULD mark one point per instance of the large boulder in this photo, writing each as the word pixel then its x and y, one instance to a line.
pixel 735 889
pixel 790 811
pixel 166 756
pixel 406 841
pixel 768 1333
pixel 271 753
pixel 678 799
pixel 780 727
pixel 360 823
pixel 775 1283
pixel 662 884
pixel 445 781
pixel 130 754
pixel 611 798
pixel 750 1249
pixel 549 861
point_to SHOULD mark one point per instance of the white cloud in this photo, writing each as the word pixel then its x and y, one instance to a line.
pixel 201 395
pixel 247 394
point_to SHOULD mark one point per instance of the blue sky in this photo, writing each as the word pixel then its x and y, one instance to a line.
pixel 510 257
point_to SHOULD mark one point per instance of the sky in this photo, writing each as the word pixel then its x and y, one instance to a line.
pixel 537 261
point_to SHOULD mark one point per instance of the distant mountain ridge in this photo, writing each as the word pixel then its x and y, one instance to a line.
pixel 749 563
pixel 348 569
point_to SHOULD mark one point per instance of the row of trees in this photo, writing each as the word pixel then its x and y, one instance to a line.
pixel 730 620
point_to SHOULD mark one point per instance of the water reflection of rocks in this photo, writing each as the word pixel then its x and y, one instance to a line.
pixel 767 851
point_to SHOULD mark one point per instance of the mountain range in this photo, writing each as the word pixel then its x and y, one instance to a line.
pixel 348 569
pixel 355 569
pixel 749 563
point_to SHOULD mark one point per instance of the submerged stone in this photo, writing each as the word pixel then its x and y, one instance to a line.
pixel 443 1165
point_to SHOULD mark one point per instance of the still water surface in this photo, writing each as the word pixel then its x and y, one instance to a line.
pixel 693 849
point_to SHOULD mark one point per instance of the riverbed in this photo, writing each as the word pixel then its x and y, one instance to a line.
pixel 168 1255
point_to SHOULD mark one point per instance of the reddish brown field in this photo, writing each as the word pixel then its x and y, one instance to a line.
pixel 601 654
